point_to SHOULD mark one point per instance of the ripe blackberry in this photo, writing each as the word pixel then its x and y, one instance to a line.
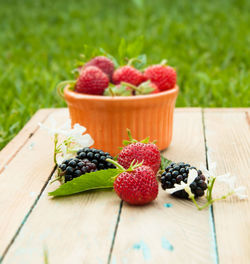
pixel 177 172
pixel 96 156
pixel 73 168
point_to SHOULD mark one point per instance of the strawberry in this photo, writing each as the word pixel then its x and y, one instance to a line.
pixel 163 76
pixel 155 87
pixel 103 63
pixel 118 90
pixel 140 151
pixel 128 74
pixel 138 186
pixel 92 81
pixel 146 152
pixel 147 88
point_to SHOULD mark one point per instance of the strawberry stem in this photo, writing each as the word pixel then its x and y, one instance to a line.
pixel 111 91
pixel 134 165
pixel 119 166
pixel 131 140
pixel 131 61
pixel 130 85
pixel 61 86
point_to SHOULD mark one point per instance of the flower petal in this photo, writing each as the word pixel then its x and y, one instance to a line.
pixel 191 176
pixel 177 187
pixel 230 180
pixel 240 192
pixel 83 140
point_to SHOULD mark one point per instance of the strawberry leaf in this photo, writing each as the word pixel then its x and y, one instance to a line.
pixel 126 142
pixel 141 62
pixel 122 49
pixel 145 140
pixel 164 162
pixel 89 181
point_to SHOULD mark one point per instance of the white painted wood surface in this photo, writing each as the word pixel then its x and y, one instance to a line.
pixel 81 228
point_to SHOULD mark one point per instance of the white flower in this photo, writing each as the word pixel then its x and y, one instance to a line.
pixel 53 129
pixel 67 139
pixel 208 173
pixel 75 133
pixel 230 181
pixel 184 186
pixel 64 154
pixel 240 192
pixel 226 178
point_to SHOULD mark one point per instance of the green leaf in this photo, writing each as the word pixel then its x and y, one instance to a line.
pixel 89 181
pixel 145 140
pixel 164 162
pixel 141 62
pixel 126 142
pixel 122 49
pixel 135 47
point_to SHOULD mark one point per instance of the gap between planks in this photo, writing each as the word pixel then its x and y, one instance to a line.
pixel 211 210
pixel 228 141
pixel 178 110
pixel 26 216
pixel 45 204
pixel 17 203
pixel 14 146
pixel 139 243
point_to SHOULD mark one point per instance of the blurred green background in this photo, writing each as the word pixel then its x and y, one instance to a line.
pixel 206 41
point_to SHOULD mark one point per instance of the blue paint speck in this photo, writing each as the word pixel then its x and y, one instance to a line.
pixel 136 246
pixel 145 250
pixel 168 205
pixel 166 244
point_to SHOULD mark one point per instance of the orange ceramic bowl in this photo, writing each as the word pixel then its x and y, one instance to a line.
pixel 107 118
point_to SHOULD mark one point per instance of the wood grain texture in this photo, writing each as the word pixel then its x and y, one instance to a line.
pixel 23 179
pixel 228 141
pixel 75 229
pixel 11 149
pixel 178 234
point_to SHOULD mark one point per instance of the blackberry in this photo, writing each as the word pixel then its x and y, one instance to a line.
pixel 96 156
pixel 177 172
pixel 73 168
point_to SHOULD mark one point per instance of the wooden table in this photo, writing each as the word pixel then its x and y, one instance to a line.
pixel 96 227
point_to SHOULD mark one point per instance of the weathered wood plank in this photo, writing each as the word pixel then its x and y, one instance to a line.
pixel 23 179
pixel 10 150
pixel 176 234
pixel 228 141
pixel 76 229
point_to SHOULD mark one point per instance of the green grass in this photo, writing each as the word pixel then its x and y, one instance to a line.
pixel 207 42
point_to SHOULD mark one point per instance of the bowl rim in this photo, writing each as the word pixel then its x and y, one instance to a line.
pixel 78 96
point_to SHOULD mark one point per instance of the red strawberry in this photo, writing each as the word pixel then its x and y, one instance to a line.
pixel 118 90
pixel 128 74
pixel 138 186
pixel 155 87
pixel 92 81
pixel 163 76
pixel 147 88
pixel 146 152
pixel 103 63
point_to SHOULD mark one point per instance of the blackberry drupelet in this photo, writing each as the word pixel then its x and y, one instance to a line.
pixel 96 156
pixel 177 172
pixel 73 168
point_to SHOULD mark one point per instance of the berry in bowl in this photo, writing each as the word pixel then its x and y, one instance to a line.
pixel 108 100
